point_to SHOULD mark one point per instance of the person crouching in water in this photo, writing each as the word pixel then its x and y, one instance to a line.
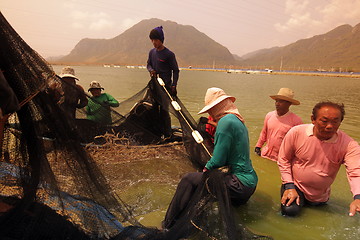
pixel 98 108
pixel 231 149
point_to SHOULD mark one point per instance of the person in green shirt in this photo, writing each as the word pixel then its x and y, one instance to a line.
pixel 231 149
pixel 98 108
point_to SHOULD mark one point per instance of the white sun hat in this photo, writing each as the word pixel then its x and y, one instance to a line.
pixel 214 96
pixel 68 72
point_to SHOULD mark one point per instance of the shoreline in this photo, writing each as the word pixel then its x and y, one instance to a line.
pixel 230 71
pixel 320 74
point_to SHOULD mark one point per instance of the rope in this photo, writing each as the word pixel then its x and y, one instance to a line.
pixel 208 188
pixel 182 115
pixel 199 228
pixel 29 98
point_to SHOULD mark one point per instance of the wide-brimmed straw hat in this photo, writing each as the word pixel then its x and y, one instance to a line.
pixel 214 96
pixel 95 85
pixel 286 94
pixel 68 72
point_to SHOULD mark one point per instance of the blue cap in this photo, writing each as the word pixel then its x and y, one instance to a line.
pixel 157 33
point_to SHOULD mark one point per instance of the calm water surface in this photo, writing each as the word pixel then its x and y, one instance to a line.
pixel 252 91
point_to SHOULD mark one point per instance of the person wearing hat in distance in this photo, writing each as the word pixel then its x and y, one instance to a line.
pixel 162 63
pixel 276 124
pixel 310 157
pixel 231 149
pixel 74 95
pixel 98 108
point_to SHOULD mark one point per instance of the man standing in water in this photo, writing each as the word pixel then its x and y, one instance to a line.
pixel 162 63
pixel 310 157
pixel 276 124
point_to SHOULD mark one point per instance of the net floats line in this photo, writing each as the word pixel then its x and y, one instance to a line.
pixel 195 133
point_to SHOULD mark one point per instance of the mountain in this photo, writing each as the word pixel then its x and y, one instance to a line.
pixel 237 57
pixel 190 46
pixel 336 50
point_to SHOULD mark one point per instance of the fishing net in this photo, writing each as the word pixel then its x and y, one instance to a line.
pixel 50 186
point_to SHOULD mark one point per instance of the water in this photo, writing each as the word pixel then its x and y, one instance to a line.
pixel 252 91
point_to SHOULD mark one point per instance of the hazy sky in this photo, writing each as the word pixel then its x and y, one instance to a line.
pixel 54 27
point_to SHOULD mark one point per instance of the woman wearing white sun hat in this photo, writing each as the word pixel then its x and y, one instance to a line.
pixel 231 149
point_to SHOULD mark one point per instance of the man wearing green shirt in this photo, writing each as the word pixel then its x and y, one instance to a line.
pixel 98 108
pixel 231 149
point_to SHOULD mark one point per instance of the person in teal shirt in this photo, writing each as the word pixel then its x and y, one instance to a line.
pixel 98 108
pixel 231 149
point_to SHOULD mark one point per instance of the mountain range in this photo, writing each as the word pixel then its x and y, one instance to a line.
pixel 191 47
pixel 336 50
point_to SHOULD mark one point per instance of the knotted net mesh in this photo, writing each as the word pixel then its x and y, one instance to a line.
pixel 51 187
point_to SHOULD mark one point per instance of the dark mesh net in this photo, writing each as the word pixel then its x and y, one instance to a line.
pixel 51 188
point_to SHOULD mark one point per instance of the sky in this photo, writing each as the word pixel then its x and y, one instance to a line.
pixel 54 27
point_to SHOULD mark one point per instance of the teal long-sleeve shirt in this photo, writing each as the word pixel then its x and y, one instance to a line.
pixel 98 108
pixel 232 149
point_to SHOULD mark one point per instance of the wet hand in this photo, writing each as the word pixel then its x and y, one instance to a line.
pixel 153 73
pixel 354 207
pixel 289 196
pixel 258 151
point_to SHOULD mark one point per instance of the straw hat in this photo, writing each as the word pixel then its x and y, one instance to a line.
pixel 214 96
pixel 68 72
pixel 95 85
pixel 286 94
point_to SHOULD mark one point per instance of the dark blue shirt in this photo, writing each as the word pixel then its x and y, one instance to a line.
pixel 165 65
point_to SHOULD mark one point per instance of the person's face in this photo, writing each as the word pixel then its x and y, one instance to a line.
pixel 282 106
pixel 327 122
pixel 95 92
pixel 211 114
pixel 69 80
pixel 157 43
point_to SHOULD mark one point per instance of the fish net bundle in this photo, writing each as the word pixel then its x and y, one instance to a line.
pixel 51 187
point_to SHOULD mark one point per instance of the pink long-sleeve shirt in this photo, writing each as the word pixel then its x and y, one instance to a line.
pixel 312 164
pixel 273 132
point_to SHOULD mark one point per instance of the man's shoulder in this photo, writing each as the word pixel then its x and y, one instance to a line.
pixel 168 51
pixel 296 119
pixel 294 115
pixel 301 128
pixel 344 136
pixel 80 88
pixel 152 50
pixel 270 114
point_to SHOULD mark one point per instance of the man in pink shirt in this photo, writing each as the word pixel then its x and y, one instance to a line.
pixel 310 157
pixel 276 124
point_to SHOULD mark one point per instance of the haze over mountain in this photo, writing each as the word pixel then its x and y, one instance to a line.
pixel 132 47
pixel 336 50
